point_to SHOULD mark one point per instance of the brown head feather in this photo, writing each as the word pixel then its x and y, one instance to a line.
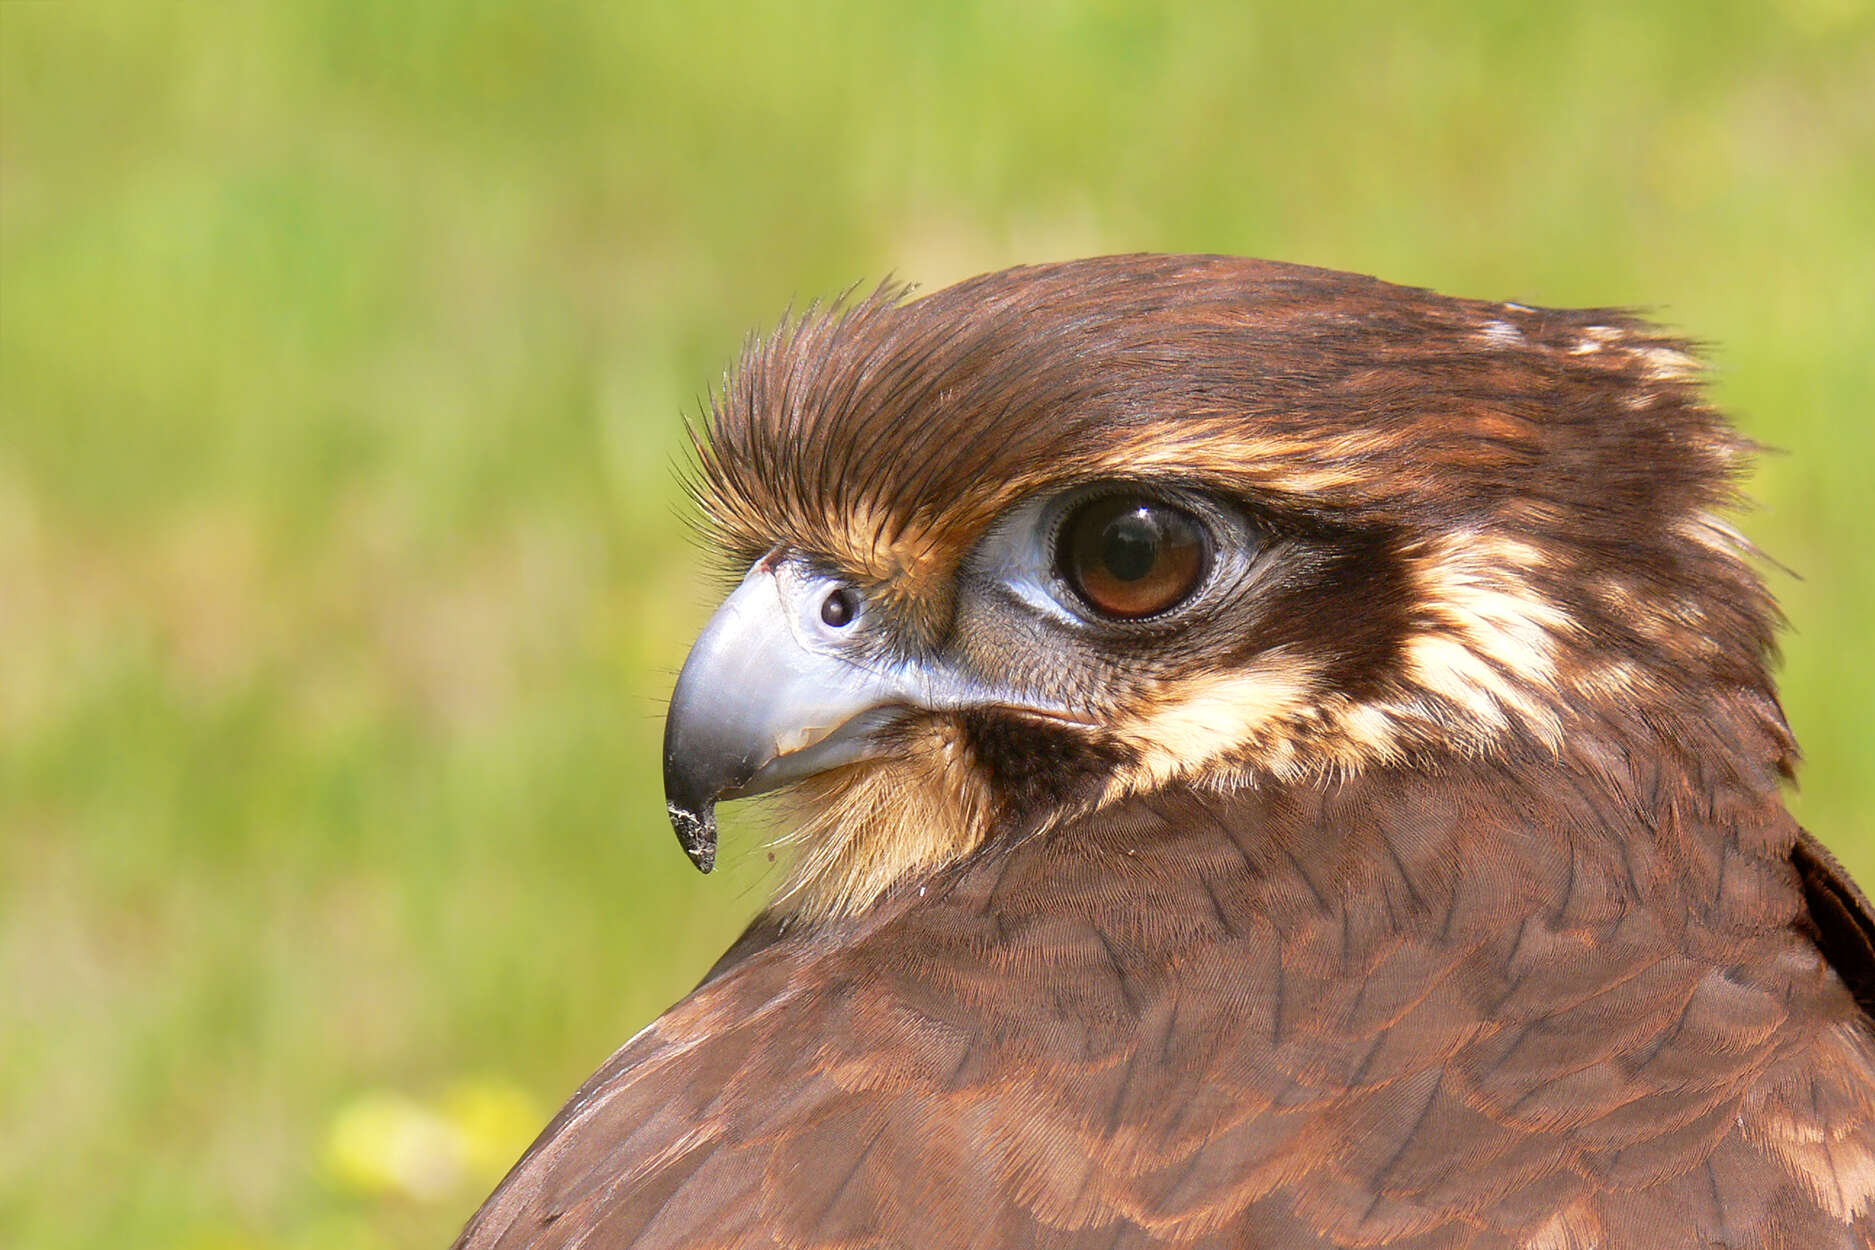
pixel 1515 510
pixel 886 435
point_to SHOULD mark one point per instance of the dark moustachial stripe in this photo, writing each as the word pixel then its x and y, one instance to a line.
pixel 1037 767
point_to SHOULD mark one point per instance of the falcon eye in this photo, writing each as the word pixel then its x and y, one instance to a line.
pixel 840 607
pixel 1129 556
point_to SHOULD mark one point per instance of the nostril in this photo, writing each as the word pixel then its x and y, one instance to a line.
pixel 840 607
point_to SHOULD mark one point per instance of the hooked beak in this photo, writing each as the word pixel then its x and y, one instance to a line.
pixel 773 693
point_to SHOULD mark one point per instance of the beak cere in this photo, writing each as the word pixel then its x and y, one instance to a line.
pixel 771 693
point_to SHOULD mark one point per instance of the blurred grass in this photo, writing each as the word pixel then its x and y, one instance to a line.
pixel 342 350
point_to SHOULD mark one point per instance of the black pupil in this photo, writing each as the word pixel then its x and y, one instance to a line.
pixel 1130 546
pixel 838 608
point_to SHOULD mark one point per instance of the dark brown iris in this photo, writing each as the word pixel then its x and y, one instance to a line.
pixel 1129 556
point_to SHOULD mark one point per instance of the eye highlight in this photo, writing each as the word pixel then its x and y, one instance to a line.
pixel 1130 556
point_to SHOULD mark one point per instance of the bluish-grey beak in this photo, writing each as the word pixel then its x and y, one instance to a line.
pixel 773 692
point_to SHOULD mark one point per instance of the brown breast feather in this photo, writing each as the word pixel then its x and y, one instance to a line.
pixel 1486 1007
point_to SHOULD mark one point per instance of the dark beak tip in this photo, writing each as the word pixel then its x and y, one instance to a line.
pixel 696 833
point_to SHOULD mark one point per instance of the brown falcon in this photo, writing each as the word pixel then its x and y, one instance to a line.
pixel 1274 759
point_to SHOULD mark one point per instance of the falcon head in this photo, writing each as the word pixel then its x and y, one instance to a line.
pixel 1063 534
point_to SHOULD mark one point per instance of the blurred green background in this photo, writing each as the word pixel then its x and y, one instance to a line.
pixel 342 355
